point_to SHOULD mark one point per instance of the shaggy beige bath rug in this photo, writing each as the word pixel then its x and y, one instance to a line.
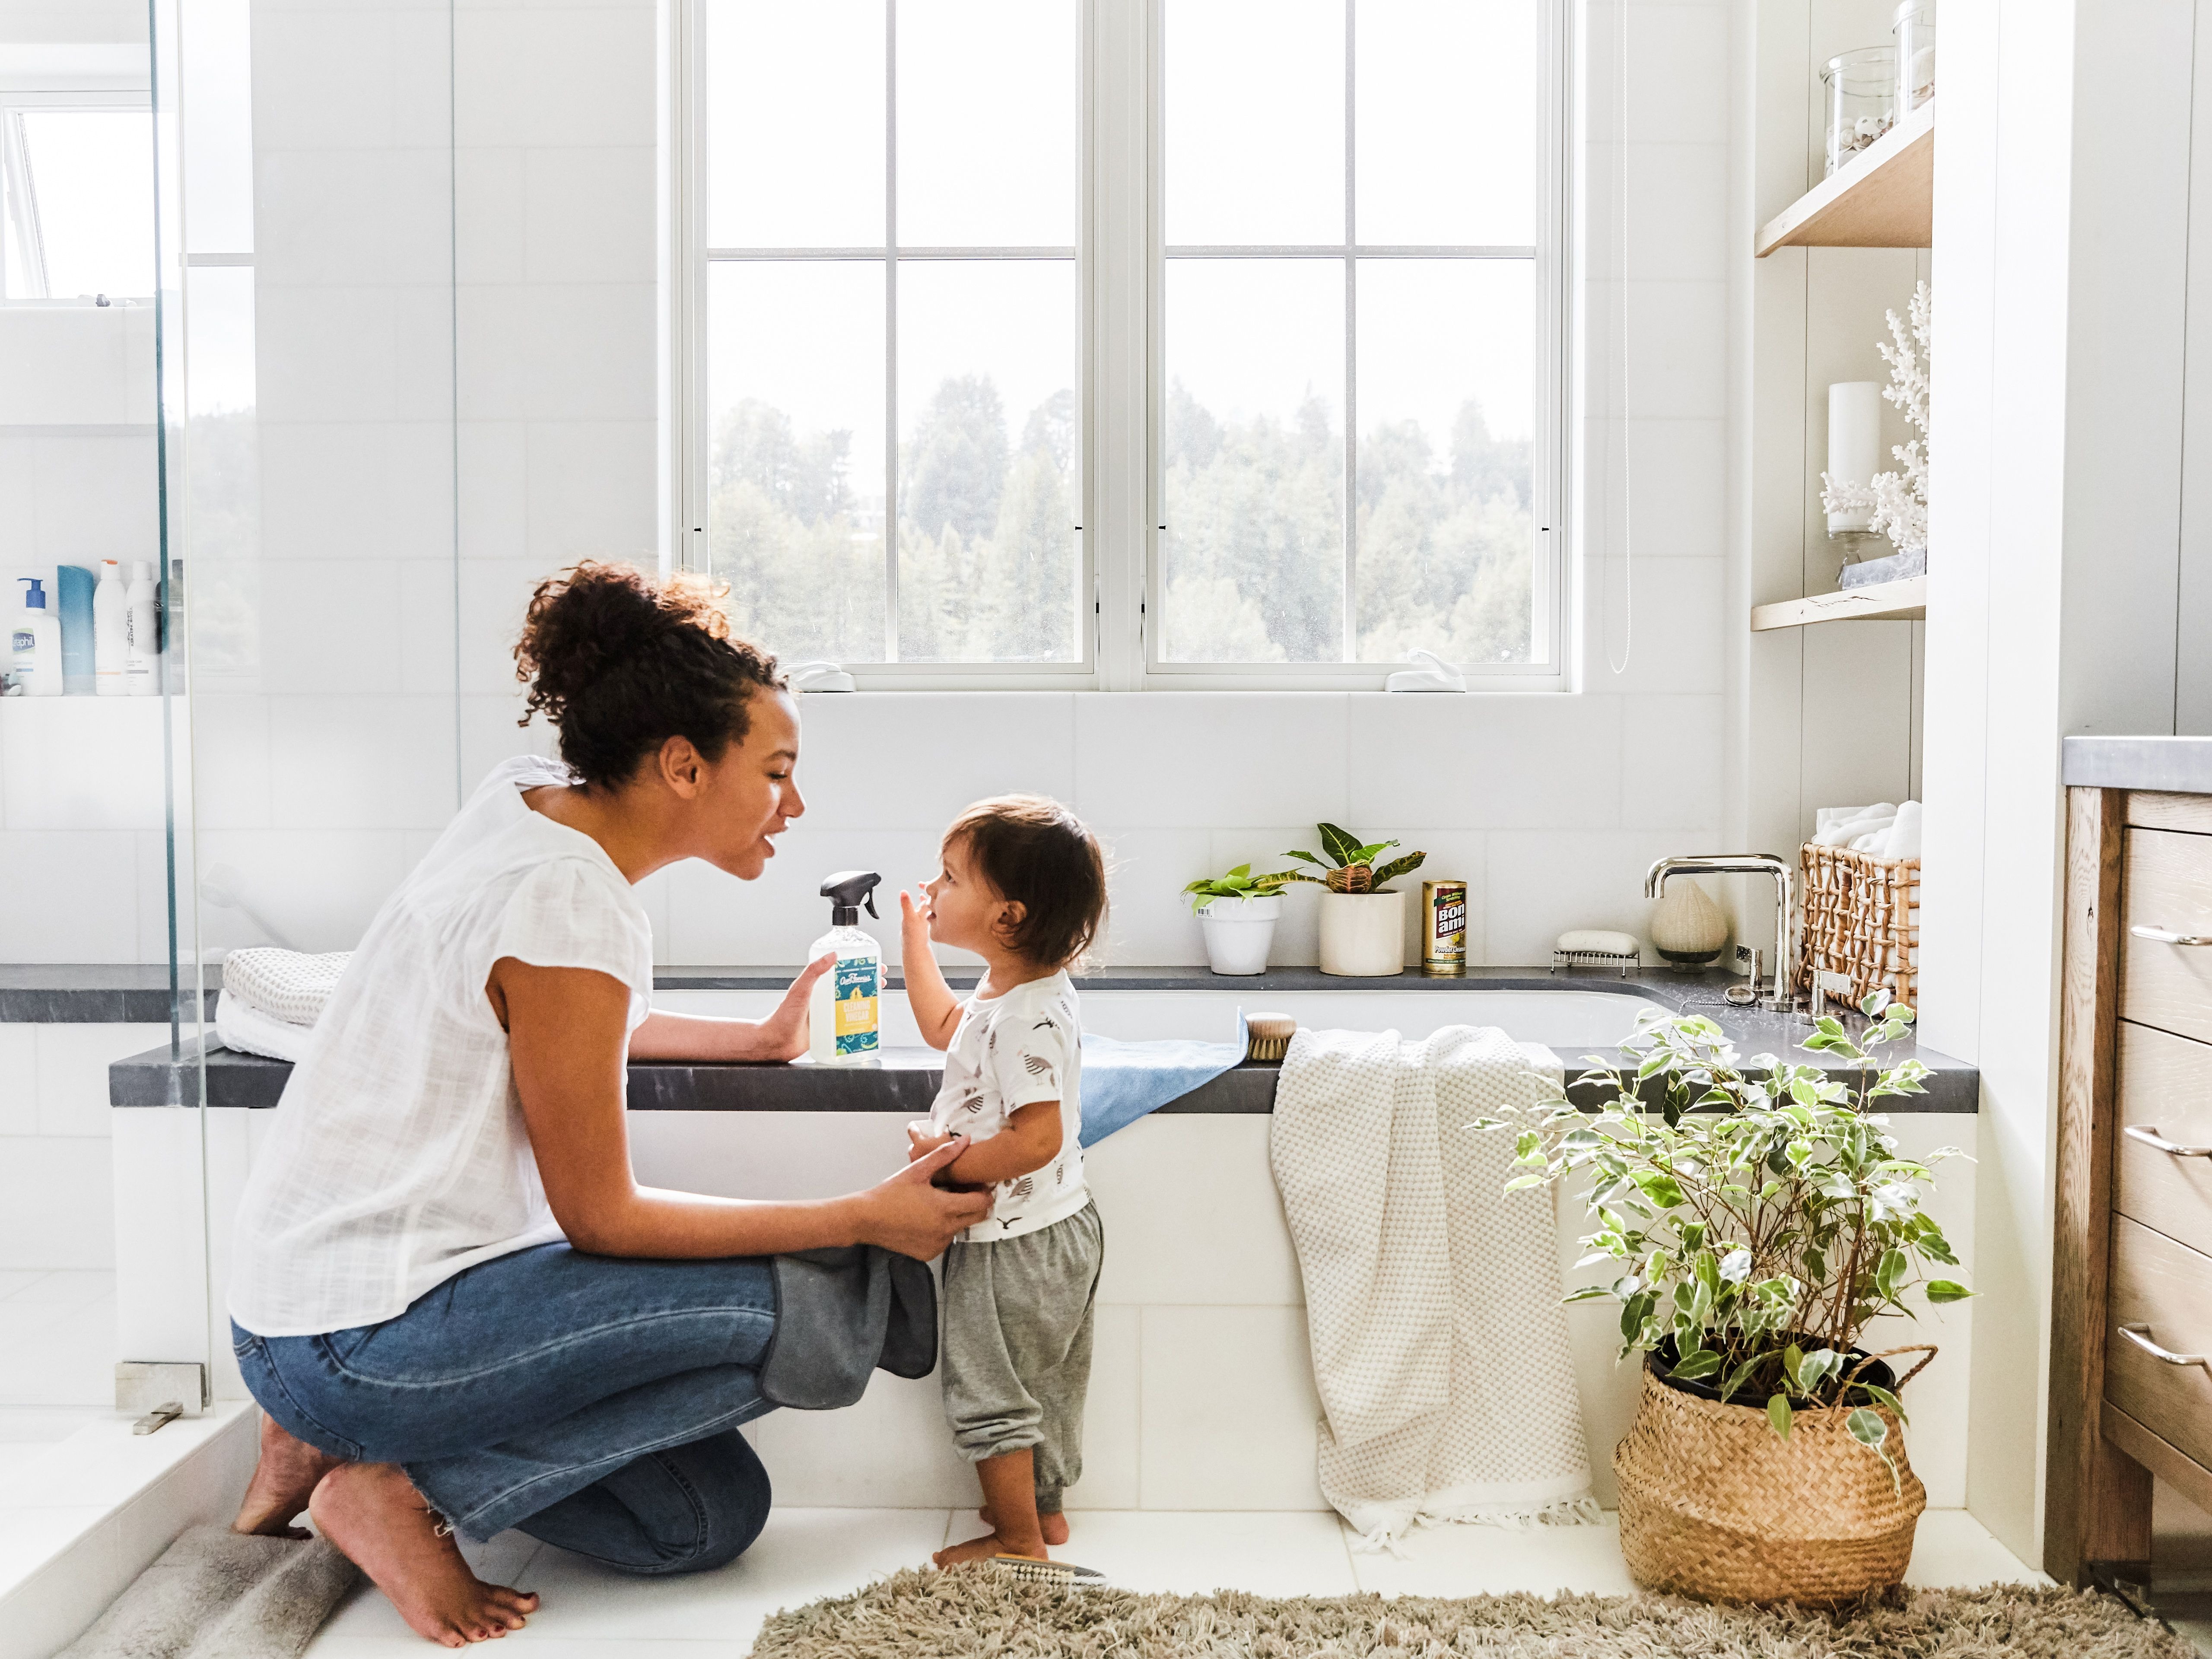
pixel 970 1611
pixel 214 1595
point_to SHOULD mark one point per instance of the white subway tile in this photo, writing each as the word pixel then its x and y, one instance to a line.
pixel 1671 766
pixel 495 595
pixel 350 489
pixel 603 369
pixel 73 1062
pixel 593 491
pixel 1682 629
pixel 1678 474
pixel 363 763
pixel 1483 761
pixel 344 77
pixel 1149 923
pixel 1111 1412
pixel 589 214
pixel 335 624
pixel 717 919
pixel 1677 89
pixel 1208 759
pixel 97 498
pixel 891 1447
pixel 1296 943
pixel 1452 855
pixel 19 1081
pixel 355 216
pixel 230 761
pixel 912 760
pixel 1676 354
pixel 493 464
pixel 488 208
pixel 1678 218
pixel 1192 1215
pixel 554 77
pixel 1229 1410
pixel 71 895
pixel 319 888
pixel 355 353
pixel 489 734
pixel 57 1205
pixel 81 762
pixel 1543 882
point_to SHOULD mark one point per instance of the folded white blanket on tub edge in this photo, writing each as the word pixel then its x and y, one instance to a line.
pixel 1432 1296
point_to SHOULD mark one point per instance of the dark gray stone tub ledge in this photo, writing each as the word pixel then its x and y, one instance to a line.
pixel 905 1080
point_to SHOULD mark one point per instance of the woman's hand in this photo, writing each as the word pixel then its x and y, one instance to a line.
pixel 782 1035
pixel 922 1139
pixel 911 1216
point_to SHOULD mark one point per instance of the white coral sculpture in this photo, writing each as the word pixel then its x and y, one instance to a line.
pixel 1897 502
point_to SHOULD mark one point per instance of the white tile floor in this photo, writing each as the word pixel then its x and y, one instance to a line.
pixel 806 1553
pixel 58 1344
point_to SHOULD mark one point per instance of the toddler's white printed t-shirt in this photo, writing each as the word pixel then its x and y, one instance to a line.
pixel 1009 1052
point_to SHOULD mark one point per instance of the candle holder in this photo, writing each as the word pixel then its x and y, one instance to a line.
pixel 1860 90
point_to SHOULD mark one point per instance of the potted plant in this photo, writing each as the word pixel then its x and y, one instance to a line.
pixel 1237 913
pixel 1760 1221
pixel 1362 925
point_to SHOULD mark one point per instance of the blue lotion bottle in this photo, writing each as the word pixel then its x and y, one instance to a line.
pixel 35 644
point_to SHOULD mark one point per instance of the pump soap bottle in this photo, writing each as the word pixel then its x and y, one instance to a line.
pixel 35 644
pixel 111 631
pixel 840 1014
pixel 142 632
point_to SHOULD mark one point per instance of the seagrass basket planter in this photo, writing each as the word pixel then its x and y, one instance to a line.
pixel 1716 1506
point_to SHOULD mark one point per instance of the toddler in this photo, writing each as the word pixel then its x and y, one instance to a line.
pixel 1022 884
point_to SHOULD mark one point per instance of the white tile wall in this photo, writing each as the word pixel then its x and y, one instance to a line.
pixel 57 1199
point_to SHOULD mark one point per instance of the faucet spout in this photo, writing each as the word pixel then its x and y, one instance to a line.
pixel 1785 873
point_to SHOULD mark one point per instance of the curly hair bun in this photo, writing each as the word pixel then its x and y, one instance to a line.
pixel 621 661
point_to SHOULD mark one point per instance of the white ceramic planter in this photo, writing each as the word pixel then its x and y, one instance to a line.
pixel 1238 932
pixel 1363 935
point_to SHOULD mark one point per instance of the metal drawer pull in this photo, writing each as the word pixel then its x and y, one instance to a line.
pixel 2159 936
pixel 2157 1142
pixel 2139 1335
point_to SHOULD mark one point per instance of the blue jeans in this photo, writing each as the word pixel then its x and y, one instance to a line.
pixel 589 1401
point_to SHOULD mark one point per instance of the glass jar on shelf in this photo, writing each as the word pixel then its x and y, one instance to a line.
pixel 1915 32
pixel 1859 89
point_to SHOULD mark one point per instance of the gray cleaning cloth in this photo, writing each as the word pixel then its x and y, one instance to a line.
pixel 215 1594
pixel 842 1313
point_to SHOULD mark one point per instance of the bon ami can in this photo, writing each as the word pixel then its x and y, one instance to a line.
pixel 1443 928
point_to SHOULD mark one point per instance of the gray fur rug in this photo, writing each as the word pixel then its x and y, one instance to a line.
pixel 214 1594
pixel 970 1611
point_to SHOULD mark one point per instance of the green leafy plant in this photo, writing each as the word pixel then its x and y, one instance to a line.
pixel 1761 1221
pixel 1349 867
pixel 1238 884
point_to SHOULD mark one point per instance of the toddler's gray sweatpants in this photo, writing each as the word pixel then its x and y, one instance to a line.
pixel 1017 1346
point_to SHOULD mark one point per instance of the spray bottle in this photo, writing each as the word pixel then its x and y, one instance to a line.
pixel 840 1014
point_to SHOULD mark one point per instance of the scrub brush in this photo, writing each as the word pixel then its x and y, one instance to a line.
pixel 1268 1036
pixel 1064 1575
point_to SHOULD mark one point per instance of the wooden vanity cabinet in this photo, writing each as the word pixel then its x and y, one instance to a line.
pixel 2131 1290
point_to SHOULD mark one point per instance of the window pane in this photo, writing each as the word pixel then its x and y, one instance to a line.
pixel 1446 526
pixel 987 118
pixel 1252 560
pixel 1255 149
pixel 795 123
pixel 796 470
pixel 1447 109
pixel 988 566
pixel 92 178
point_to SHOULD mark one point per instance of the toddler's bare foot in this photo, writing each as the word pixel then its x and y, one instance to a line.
pixel 282 1480
pixel 990 1544
pixel 382 1524
pixel 1055 1527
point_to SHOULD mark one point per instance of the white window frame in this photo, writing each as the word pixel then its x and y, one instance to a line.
pixel 1122 261
pixel 18 191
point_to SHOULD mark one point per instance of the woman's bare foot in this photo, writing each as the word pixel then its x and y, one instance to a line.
pixel 381 1523
pixel 1055 1526
pixel 282 1481
pixel 990 1544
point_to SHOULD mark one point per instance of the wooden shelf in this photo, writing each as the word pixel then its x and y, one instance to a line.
pixel 1906 600
pixel 1885 198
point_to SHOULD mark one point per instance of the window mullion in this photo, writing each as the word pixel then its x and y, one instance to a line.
pixel 890 333
pixel 1350 348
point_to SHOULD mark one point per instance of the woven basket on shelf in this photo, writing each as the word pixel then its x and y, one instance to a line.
pixel 1862 919
pixel 1715 1505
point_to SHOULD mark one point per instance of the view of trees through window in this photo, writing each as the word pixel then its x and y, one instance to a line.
pixel 1349 222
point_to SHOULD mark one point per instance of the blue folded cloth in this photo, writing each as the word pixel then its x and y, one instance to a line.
pixel 1123 1081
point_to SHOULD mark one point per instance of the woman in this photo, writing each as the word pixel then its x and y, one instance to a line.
pixel 455 1303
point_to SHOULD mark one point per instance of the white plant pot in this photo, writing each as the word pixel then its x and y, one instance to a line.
pixel 1363 935
pixel 1238 932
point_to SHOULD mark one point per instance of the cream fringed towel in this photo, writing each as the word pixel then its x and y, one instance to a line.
pixel 1433 1297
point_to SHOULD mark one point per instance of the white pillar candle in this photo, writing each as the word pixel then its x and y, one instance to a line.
pixel 1854 443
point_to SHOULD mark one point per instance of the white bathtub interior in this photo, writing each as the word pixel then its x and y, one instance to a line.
pixel 1564 1019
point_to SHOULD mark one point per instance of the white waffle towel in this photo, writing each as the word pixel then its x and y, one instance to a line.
pixel 287 985
pixel 1433 1297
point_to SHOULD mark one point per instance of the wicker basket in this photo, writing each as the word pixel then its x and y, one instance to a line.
pixel 1862 920
pixel 1716 1506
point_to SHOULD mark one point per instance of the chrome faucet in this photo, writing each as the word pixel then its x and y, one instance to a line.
pixel 1749 864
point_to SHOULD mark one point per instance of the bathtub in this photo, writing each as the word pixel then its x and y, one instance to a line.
pixel 1570 1021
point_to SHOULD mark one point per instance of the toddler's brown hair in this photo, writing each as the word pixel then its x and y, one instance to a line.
pixel 1034 852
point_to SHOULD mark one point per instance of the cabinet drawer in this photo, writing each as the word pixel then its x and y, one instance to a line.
pixel 2168 883
pixel 2165 1086
pixel 2164 1286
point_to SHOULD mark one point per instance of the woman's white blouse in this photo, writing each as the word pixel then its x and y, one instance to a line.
pixel 399 1156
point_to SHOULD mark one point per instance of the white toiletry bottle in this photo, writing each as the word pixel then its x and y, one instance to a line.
pixel 35 644
pixel 111 643
pixel 841 1013
pixel 142 632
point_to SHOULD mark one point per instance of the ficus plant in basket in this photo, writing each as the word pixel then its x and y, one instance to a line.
pixel 1760 1222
